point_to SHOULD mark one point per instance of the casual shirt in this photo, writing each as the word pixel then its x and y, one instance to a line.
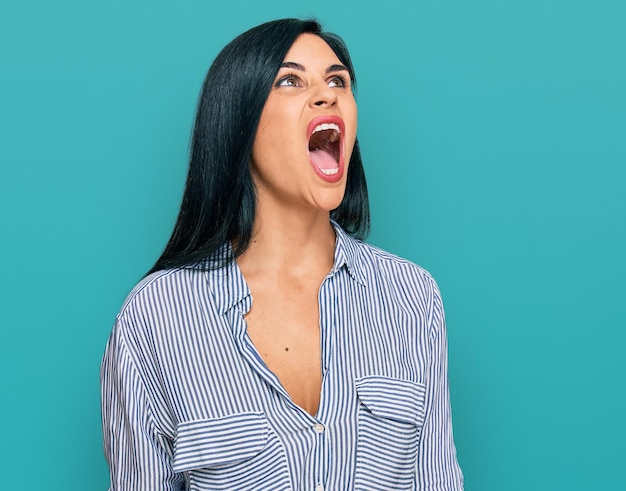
pixel 189 404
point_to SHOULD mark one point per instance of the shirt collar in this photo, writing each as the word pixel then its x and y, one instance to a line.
pixel 231 288
pixel 227 283
pixel 347 253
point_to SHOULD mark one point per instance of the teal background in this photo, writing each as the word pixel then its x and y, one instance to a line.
pixel 493 135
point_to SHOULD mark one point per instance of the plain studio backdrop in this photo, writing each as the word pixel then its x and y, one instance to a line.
pixel 494 139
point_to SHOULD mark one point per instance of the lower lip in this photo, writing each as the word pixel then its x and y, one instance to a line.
pixel 330 177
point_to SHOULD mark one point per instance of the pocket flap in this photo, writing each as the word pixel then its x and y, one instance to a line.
pixel 211 442
pixel 392 398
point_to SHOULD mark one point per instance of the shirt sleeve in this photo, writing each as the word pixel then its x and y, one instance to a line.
pixel 437 466
pixel 138 455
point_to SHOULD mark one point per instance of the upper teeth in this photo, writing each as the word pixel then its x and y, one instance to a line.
pixel 326 126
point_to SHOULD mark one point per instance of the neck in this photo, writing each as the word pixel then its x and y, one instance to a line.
pixel 289 242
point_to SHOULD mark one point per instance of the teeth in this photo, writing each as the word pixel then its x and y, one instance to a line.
pixel 330 172
pixel 326 126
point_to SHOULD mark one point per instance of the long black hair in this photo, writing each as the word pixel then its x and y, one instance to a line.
pixel 219 200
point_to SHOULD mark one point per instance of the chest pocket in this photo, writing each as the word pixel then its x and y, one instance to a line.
pixel 238 451
pixel 390 420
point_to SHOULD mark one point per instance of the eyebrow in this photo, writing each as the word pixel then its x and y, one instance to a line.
pixel 297 66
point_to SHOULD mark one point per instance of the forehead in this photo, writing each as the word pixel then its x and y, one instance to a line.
pixel 310 49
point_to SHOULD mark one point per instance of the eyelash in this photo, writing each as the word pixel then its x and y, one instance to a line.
pixel 343 80
pixel 289 76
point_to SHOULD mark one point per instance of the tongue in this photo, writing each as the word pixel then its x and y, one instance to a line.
pixel 323 160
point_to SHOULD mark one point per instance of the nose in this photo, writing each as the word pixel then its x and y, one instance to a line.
pixel 324 96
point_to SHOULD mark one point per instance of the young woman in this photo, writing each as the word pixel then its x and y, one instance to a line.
pixel 269 348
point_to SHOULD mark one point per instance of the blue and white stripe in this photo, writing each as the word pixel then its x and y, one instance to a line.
pixel 188 404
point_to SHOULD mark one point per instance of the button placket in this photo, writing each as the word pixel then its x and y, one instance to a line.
pixel 321 448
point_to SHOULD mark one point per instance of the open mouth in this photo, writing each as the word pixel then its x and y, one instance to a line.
pixel 325 148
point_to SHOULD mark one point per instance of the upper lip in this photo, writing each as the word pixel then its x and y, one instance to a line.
pixel 315 122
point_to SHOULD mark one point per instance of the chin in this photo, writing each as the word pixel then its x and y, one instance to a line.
pixel 330 201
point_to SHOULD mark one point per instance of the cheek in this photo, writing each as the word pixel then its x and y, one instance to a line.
pixel 265 141
pixel 264 137
pixel 275 133
pixel 353 117
pixel 352 124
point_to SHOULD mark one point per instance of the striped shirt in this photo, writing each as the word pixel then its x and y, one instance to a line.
pixel 188 403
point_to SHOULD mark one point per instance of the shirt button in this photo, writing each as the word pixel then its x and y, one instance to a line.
pixel 319 428
pixel 319 487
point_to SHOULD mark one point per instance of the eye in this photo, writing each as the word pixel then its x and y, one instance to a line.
pixel 289 80
pixel 340 81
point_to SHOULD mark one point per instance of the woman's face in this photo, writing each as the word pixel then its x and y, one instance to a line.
pixel 307 130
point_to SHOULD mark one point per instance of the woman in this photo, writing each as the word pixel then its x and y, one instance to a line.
pixel 335 376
